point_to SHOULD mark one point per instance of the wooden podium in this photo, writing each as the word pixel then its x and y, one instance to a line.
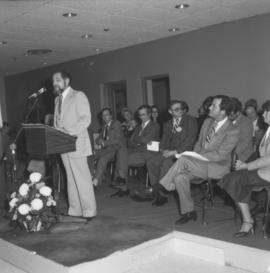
pixel 43 140
pixel 46 143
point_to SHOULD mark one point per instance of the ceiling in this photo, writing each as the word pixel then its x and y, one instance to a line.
pixel 39 24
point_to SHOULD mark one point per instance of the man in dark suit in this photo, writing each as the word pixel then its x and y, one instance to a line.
pixel 244 147
pixel 111 139
pixel 179 135
pixel 143 134
pixel 212 157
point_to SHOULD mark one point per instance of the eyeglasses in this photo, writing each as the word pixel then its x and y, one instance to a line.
pixel 178 109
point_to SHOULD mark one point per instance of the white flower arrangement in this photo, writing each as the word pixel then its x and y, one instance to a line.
pixel 31 207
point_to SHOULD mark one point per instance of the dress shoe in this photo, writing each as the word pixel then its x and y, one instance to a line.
pixel 249 231
pixel 120 193
pixel 160 201
pixel 88 219
pixel 118 183
pixel 192 215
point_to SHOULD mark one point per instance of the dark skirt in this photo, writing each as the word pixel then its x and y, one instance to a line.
pixel 239 184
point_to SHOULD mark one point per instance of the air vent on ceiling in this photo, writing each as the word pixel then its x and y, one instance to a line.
pixel 38 51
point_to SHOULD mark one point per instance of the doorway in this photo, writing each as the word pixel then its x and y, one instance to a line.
pixel 157 92
pixel 114 95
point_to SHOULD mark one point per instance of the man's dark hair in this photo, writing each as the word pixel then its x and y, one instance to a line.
pixel 225 103
pixel 251 103
pixel 236 105
pixel 184 105
pixel 64 75
pixel 207 103
pixel 266 106
pixel 106 109
pixel 154 107
pixel 147 107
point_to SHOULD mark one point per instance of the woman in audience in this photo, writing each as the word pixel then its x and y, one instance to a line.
pixel 259 126
pixel 203 111
pixel 129 123
pixel 155 116
pixel 239 184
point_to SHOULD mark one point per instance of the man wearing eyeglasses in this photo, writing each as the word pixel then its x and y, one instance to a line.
pixel 211 157
pixel 179 135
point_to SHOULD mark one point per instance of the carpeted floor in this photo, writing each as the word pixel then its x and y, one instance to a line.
pixel 122 223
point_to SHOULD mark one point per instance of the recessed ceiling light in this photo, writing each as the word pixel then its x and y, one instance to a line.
pixel 174 29
pixel 44 63
pixel 182 6
pixel 3 42
pixel 106 29
pixel 69 14
pixel 86 36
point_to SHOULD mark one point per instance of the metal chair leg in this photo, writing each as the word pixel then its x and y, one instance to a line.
pixel 147 181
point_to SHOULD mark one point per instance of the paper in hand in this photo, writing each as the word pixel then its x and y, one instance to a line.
pixel 154 146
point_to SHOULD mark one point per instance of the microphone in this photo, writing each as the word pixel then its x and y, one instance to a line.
pixel 39 92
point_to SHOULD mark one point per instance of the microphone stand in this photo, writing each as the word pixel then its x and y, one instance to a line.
pixel 13 146
pixel 31 110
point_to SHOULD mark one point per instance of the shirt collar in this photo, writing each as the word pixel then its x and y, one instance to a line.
pixel 108 124
pixel 220 124
pixel 65 92
pixel 145 124
pixel 179 120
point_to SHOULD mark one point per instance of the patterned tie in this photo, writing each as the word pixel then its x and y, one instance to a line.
pixel 176 125
pixel 59 108
pixel 211 132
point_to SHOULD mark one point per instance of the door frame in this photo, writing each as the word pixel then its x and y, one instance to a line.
pixel 147 87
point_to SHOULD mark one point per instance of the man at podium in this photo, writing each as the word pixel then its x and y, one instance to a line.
pixel 72 115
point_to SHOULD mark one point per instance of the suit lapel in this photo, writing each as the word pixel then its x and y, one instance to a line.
pixel 67 101
pixel 219 134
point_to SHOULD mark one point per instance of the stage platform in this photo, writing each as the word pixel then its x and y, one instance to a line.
pixel 127 236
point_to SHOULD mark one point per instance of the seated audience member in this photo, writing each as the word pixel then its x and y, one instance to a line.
pixel 259 126
pixel 137 152
pixel 155 114
pixel 244 147
pixel 203 111
pixel 111 140
pixel 155 117
pixel 239 184
pixel 179 135
pixel 217 139
pixel 129 123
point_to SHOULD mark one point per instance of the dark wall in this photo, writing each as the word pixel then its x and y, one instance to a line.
pixel 231 58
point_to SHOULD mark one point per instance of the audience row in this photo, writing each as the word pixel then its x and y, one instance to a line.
pixel 189 149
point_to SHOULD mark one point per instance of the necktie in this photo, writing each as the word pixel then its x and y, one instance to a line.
pixel 211 132
pixel 105 133
pixel 176 125
pixel 59 108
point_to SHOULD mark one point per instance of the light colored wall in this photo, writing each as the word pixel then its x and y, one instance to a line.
pixel 231 58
